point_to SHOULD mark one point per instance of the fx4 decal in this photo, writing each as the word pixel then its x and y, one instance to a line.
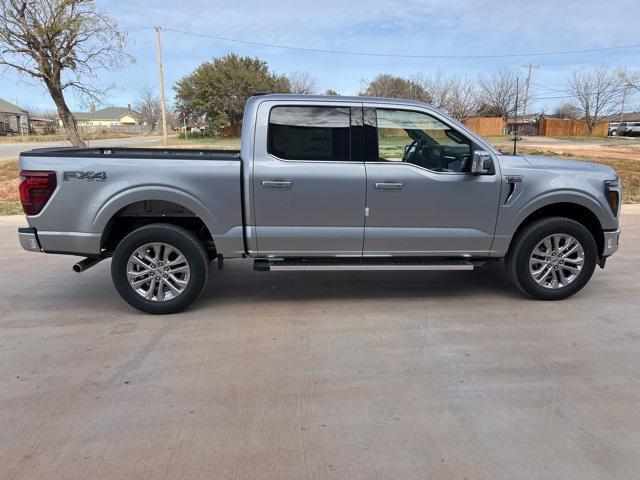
pixel 90 176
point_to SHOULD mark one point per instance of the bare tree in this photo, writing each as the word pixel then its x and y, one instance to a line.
pixel 437 88
pixel 149 107
pixel 462 100
pixel 498 92
pixel 386 85
pixel 302 83
pixel 63 44
pixel 567 110
pixel 454 94
pixel 597 92
pixel 631 78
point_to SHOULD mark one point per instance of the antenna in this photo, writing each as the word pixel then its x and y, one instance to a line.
pixel 515 130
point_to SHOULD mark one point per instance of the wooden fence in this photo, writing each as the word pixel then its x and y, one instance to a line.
pixel 562 127
pixel 485 126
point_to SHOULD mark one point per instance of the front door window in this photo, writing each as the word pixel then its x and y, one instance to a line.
pixel 422 140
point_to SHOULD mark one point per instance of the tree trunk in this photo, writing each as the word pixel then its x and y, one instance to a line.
pixel 68 120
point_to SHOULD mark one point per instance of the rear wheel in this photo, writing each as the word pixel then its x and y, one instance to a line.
pixel 160 268
pixel 552 258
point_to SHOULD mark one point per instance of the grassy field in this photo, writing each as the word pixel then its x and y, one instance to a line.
pixel 215 143
pixel 9 198
pixel 625 162
pixel 58 138
pixel 500 139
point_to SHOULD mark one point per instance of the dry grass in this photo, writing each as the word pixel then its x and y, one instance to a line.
pixel 627 168
pixel 9 180
pixel 9 198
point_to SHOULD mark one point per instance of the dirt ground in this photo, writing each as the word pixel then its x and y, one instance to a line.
pixel 623 148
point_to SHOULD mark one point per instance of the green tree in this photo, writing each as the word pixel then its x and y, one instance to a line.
pixel 390 86
pixel 218 90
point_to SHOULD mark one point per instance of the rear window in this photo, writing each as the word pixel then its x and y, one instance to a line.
pixel 309 133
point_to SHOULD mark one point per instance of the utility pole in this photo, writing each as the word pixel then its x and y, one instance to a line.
pixel 515 132
pixel 526 88
pixel 163 103
pixel 624 98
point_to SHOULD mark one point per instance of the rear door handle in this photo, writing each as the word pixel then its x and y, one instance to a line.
pixel 276 183
pixel 389 185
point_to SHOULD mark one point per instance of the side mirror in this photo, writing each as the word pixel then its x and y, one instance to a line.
pixel 482 163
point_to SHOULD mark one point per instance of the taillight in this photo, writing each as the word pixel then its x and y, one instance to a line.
pixel 36 189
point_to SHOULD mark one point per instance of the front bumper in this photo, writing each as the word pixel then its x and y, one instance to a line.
pixel 29 239
pixel 611 242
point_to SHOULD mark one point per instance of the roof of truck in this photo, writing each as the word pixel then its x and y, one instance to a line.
pixel 339 98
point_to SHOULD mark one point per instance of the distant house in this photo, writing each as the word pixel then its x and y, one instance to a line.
pixel 627 117
pixel 13 119
pixel 110 117
pixel 42 125
pixel 525 124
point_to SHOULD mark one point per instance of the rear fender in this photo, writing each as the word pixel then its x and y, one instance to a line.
pixel 125 198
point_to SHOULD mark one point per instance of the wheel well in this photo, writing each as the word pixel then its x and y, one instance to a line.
pixel 139 214
pixel 573 211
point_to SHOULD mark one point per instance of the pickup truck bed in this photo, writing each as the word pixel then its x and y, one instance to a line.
pixel 143 153
pixel 96 186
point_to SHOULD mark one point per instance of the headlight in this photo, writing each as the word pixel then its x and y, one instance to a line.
pixel 612 192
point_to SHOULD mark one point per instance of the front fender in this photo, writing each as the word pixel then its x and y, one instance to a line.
pixel 564 196
pixel 511 217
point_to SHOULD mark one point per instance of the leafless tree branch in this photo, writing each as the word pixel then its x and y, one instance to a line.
pixel 63 44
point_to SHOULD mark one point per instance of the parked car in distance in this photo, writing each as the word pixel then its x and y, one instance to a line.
pixel 613 126
pixel 322 183
pixel 629 129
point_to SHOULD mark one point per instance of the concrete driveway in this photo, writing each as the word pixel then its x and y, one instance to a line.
pixel 415 375
pixel 12 149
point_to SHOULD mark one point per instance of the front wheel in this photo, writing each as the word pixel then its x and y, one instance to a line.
pixel 552 258
pixel 160 268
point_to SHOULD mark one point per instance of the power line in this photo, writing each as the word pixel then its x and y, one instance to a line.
pixel 549 89
pixel 615 90
pixel 394 55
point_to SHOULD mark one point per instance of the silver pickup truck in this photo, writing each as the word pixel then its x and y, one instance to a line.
pixel 322 183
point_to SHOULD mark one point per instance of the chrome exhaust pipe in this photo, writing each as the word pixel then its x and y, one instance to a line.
pixel 85 264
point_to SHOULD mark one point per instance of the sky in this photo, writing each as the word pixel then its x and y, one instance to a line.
pixel 412 27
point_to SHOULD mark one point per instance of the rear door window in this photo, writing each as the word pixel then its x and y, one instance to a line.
pixel 309 133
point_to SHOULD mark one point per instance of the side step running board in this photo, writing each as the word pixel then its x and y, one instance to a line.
pixel 265 265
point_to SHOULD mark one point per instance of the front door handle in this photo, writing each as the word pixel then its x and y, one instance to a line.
pixel 389 185
pixel 276 183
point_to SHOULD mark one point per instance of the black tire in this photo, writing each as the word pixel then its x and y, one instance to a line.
pixel 177 237
pixel 517 260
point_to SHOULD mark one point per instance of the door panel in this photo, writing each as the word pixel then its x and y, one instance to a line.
pixel 309 206
pixel 420 197
pixel 320 214
pixel 431 214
